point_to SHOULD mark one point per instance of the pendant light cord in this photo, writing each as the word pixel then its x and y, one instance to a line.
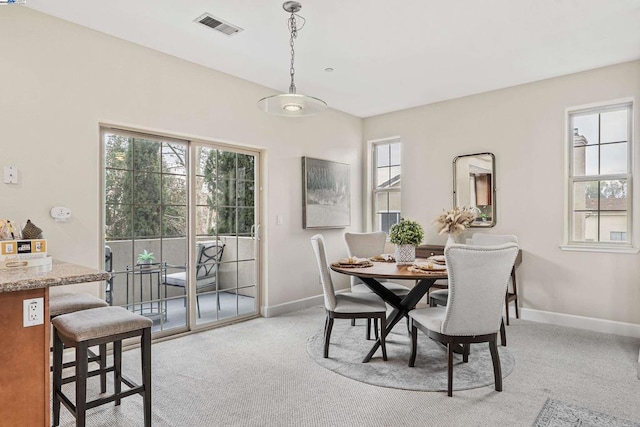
pixel 294 33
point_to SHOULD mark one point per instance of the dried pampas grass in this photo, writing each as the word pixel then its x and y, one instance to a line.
pixel 455 221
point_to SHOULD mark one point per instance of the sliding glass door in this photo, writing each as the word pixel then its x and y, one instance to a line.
pixel 226 213
pixel 180 221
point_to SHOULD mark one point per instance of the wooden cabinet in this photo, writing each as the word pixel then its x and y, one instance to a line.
pixel 24 352
pixel 425 251
pixel 24 362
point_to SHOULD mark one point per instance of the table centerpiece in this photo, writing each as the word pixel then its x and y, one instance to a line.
pixel 406 235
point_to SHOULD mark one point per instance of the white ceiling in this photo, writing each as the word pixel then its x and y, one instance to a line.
pixel 387 55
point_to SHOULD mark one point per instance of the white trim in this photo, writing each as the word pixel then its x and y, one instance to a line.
pixel 603 249
pixel 627 104
pixel 291 306
pixel 371 190
pixel 598 105
pixel 581 322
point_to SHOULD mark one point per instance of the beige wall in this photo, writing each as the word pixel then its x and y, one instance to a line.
pixel 524 127
pixel 58 81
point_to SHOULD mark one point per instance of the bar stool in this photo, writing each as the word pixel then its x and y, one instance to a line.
pixel 66 303
pixel 99 326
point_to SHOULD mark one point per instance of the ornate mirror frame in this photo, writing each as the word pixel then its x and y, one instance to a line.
pixel 474 185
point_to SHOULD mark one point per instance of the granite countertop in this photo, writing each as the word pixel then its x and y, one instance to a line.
pixel 59 273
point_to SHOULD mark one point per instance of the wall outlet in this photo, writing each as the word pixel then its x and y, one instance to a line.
pixel 33 311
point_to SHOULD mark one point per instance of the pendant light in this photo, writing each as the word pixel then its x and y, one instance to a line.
pixel 292 104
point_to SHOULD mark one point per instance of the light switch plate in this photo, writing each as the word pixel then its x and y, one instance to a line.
pixel 10 175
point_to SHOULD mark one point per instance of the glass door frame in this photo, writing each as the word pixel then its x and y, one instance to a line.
pixel 193 236
pixel 191 325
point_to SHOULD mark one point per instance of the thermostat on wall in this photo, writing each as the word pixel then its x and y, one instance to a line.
pixel 60 213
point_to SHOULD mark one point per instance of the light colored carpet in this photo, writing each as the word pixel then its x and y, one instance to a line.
pixel 560 414
pixel 348 346
pixel 258 373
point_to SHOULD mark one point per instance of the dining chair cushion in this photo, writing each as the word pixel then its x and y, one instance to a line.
pixel 430 317
pixel 359 303
pixel 396 288
pixel 440 295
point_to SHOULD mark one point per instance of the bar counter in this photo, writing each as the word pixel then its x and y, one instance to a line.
pixel 24 351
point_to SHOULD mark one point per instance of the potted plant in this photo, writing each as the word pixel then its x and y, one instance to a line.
pixel 146 258
pixel 406 235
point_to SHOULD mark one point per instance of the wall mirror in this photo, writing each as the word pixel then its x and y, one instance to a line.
pixel 474 177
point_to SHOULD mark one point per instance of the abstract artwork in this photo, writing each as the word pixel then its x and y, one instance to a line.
pixel 326 194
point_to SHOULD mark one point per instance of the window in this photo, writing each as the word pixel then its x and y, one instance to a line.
pixel 386 184
pixel 600 176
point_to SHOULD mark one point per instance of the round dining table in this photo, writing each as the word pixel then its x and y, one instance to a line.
pixel 389 271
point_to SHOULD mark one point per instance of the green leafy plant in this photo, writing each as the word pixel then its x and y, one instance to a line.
pixel 406 232
pixel 146 257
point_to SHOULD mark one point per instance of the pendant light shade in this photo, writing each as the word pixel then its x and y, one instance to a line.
pixel 292 104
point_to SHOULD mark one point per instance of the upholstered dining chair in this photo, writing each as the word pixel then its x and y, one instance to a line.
pixel 346 305
pixel 208 256
pixel 439 297
pixel 486 239
pixel 478 277
pixel 366 245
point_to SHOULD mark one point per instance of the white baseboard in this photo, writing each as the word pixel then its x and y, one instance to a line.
pixel 288 307
pixel 580 322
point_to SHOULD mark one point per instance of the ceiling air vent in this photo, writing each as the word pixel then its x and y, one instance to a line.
pixel 218 24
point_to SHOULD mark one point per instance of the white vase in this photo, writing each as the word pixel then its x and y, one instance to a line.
pixel 450 240
pixel 405 254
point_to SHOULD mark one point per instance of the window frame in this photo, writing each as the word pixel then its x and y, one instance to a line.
pixel 373 184
pixel 608 246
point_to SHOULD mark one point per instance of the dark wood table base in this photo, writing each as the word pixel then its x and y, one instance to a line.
pixel 401 306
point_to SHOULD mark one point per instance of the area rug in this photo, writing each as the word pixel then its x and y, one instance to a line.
pixel 560 414
pixel 348 347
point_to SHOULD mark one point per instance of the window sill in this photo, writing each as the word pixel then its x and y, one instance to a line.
pixel 604 249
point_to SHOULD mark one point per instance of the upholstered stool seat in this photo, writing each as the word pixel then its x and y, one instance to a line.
pixel 65 303
pixel 99 326
pixel 71 302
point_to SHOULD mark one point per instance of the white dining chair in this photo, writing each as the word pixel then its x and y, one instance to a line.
pixel 346 305
pixel 440 297
pixel 367 245
pixel 478 277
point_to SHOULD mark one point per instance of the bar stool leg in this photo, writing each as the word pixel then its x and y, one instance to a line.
pixel 102 348
pixel 57 376
pixel 117 369
pixel 146 374
pixel 81 384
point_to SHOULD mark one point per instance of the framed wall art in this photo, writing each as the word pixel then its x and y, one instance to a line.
pixel 326 194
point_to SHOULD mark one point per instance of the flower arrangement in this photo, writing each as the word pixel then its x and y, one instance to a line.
pixel 455 221
pixel 406 232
